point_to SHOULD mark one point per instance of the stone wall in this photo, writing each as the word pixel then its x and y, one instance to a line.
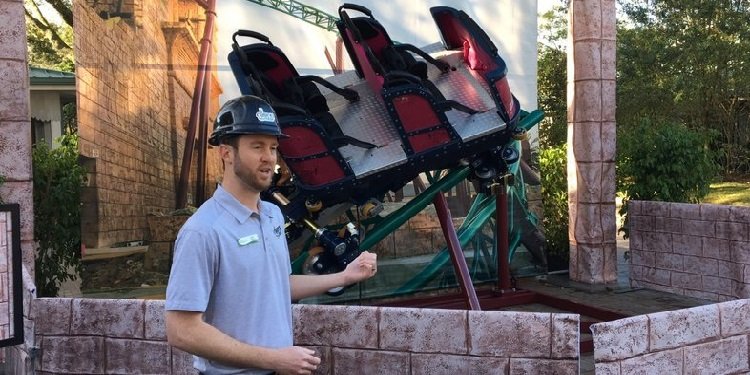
pixel 695 250
pixel 128 336
pixel 710 339
pixel 135 78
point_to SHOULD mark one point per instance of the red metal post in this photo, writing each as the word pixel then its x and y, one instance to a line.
pixel 200 183
pixel 203 68
pixel 457 255
pixel 501 218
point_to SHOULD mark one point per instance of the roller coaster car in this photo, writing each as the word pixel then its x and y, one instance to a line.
pixel 396 116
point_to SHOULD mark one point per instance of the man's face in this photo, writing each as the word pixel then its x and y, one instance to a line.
pixel 254 160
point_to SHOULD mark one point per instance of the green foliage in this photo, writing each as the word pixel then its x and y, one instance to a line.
pixel 57 218
pixel 553 171
pixel 50 43
pixel 551 83
pixel 663 162
pixel 552 78
pixel 686 61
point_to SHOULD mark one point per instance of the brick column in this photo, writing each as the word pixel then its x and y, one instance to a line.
pixel 591 141
pixel 15 164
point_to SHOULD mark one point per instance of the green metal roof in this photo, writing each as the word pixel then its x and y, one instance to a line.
pixel 42 76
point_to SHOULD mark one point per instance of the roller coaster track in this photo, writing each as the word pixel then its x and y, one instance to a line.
pixel 301 11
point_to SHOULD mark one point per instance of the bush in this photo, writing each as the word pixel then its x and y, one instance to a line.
pixel 663 162
pixel 553 171
pixel 57 219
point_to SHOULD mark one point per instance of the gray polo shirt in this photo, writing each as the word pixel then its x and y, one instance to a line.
pixel 232 264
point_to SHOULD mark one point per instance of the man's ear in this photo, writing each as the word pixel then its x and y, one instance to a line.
pixel 225 152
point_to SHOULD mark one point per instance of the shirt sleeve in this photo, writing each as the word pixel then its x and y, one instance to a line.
pixel 193 268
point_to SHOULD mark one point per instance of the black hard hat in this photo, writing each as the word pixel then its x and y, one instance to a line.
pixel 245 115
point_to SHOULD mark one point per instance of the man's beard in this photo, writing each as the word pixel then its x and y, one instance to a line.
pixel 248 177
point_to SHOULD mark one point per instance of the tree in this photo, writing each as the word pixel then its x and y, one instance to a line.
pixel 49 29
pixel 552 77
pixel 686 61
pixel 58 179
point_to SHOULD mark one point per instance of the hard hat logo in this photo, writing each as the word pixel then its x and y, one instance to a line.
pixel 264 116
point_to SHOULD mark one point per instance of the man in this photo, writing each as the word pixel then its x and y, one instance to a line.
pixel 230 289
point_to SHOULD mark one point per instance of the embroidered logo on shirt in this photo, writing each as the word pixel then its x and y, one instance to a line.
pixel 247 240
pixel 277 231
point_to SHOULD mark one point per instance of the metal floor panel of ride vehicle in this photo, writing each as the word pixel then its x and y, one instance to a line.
pixel 368 121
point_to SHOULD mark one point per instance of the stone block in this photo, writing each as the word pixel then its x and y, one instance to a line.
pixel 735 317
pixel 641 223
pixel 565 335
pixel 716 248
pixel 731 270
pixel 718 285
pixel 659 242
pixel 607 368
pixel 665 362
pixel 182 362
pixel 620 339
pixel 687 244
pixel 654 208
pixel 672 329
pixel 727 356
pixel 740 251
pixel 701 266
pixel 687 280
pixel 740 290
pixel 532 366
pixel 588 63
pixel 108 317
pixel 670 261
pixel 72 354
pixel 587 147
pixel 509 334
pixel 14 105
pixel 643 258
pixel 588 101
pixel 423 330
pixel 684 211
pixel 656 276
pixel 609 128
pixel 715 212
pixel 732 231
pixel 634 207
pixel 672 225
pixel 154 325
pixel 739 214
pixel 356 361
pixel 137 356
pixel 457 364
pixel 588 23
pixel 15 160
pixel 354 326
pixel 51 315
pixel 703 227
pixel 588 224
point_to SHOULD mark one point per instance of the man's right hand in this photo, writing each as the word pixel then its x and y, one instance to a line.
pixel 296 360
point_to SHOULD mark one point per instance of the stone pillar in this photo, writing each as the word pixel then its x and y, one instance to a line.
pixel 591 141
pixel 15 163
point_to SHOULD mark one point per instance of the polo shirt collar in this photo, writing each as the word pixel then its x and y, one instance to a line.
pixel 238 210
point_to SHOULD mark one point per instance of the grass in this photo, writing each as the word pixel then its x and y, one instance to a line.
pixel 735 193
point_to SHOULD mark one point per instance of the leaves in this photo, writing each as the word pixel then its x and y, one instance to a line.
pixel 50 44
pixel 664 162
pixel 57 222
pixel 553 171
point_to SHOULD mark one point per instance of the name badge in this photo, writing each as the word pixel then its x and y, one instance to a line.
pixel 247 240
